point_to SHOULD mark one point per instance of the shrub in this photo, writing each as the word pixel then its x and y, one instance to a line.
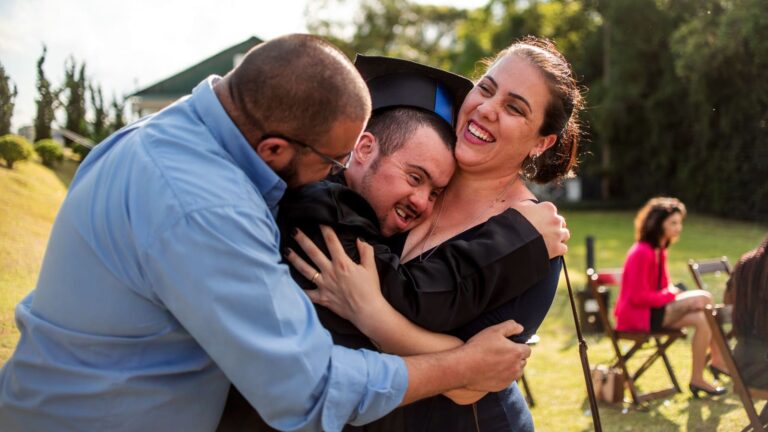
pixel 14 148
pixel 81 150
pixel 50 152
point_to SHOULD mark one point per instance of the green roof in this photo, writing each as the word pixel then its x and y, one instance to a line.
pixel 183 82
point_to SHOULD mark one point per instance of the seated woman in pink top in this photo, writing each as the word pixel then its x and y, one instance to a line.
pixel 648 302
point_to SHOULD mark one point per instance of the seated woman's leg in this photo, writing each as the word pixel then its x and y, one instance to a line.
pixel 688 311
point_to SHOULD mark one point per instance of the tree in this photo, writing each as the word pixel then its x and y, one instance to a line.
pixel 118 107
pixel 46 102
pixel 49 151
pixel 721 56
pixel 400 28
pixel 99 127
pixel 7 97
pixel 75 86
pixel 677 101
pixel 14 148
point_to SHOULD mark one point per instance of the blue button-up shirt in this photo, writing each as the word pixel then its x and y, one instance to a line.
pixel 162 283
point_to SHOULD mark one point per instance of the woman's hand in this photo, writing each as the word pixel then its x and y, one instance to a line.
pixel 343 286
pixel 549 224
pixel 351 290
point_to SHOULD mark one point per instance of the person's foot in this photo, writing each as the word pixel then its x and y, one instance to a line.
pixel 718 370
pixel 706 388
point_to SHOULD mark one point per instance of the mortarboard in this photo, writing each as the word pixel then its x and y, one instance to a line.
pixel 396 82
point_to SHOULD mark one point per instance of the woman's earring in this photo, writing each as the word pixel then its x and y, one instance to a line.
pixel 530 169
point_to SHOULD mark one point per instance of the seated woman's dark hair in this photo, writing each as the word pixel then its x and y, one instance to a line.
pixel 650 219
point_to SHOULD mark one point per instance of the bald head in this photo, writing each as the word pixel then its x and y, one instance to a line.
pixel 298 85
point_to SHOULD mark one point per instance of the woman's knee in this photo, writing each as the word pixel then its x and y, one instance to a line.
pixel 696 294
pixel 700 299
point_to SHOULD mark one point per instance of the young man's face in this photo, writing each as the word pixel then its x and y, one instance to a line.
pixel 403 186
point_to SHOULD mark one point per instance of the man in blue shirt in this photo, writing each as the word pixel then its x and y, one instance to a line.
pixel 162 280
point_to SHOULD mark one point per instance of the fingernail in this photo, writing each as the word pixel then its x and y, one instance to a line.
pixel 294 231
pixel 286 251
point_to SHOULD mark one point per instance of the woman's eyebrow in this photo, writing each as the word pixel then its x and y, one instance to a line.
pixel 521 99
pixel 511 94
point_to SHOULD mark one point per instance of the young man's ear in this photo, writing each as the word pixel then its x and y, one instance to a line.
pixel 366 149
pixel 276 152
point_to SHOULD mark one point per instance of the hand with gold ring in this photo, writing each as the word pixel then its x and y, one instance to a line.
pixel 314 278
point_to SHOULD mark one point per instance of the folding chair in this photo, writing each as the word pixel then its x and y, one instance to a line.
pixel 659 341
pixel 716 318
pixel 714 266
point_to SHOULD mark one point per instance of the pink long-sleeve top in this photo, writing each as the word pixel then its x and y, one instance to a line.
pixel 640 288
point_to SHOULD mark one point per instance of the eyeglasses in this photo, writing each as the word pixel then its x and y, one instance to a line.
pixel 337 165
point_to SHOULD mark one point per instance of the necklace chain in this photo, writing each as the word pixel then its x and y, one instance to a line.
pixel 436 221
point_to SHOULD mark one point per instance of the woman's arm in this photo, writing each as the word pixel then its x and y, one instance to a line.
pixel 391 332
pixel 367 309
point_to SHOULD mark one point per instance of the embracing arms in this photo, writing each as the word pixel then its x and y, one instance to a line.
pixel 356 297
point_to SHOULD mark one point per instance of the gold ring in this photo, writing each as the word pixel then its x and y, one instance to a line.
pixel 314 278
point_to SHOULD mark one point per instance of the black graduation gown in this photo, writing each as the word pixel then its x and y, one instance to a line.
pixel 480 270
pixel 474 272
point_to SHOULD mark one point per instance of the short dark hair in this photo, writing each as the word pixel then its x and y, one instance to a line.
pixel 299 85
pixel 392 127
pixel 561 117
pixel 650 219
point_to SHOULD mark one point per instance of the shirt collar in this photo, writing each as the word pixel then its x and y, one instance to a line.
pixel 229 137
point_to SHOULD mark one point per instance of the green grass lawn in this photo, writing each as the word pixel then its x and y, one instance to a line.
pixel 30 195
pixel 554 371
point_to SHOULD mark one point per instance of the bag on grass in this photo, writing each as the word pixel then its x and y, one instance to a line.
pixel 608 383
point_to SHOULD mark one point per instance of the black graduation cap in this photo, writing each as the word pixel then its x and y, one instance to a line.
pixel 396 82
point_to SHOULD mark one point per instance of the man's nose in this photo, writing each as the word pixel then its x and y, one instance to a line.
pixel 420 199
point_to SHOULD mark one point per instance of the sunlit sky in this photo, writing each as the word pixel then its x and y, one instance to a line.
pixel 128 45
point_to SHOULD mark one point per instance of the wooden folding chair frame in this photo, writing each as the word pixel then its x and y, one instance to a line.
pixel 662 341
pixel 716 318
pixel 707 266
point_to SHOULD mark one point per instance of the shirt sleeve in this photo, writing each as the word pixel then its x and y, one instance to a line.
pixel 218 272
pixel 640 280
pixel 464 277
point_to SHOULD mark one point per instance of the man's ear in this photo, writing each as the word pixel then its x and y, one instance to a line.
pixel 276 152
pixel 366 149
pixel 544 143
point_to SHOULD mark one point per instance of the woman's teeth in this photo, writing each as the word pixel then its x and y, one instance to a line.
pixel 477 132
